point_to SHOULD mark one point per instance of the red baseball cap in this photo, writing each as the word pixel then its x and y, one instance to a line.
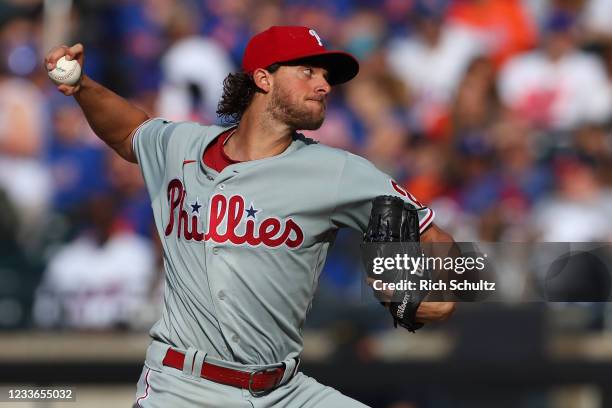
pixel 279 44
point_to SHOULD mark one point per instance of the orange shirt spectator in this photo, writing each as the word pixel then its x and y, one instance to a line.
pixel 505 26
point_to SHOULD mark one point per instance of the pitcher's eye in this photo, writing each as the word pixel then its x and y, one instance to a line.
pixel 308 72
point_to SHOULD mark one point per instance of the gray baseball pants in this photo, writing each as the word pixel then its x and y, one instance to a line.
pixel 161 387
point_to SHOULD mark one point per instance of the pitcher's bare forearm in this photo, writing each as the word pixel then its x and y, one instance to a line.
pixel 110 116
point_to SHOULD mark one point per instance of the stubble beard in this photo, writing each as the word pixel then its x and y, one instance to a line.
pixel 298 117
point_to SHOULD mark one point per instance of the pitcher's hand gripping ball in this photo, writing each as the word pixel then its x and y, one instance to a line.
pixel 67 72
pixel 394 221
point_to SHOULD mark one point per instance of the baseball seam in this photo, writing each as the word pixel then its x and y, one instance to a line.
pixel 65 76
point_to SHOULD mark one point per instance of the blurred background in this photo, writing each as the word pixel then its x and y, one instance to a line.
pixel 496 113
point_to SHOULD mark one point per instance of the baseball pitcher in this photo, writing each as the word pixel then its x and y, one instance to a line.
pixel 246 214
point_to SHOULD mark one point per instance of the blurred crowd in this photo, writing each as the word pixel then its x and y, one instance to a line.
pixel 496 113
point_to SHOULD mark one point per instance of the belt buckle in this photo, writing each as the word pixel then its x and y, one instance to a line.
pixel 263 392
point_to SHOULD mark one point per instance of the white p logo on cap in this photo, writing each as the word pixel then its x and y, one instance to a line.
pixel 315 35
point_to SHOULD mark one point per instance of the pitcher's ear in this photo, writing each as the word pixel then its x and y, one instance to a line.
pixel 263 79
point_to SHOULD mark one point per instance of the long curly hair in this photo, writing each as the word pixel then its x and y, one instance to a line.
pixel 238 91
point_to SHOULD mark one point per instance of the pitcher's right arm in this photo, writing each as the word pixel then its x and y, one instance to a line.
pixel 111 117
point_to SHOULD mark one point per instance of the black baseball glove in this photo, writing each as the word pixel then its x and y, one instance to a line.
pixel 394 229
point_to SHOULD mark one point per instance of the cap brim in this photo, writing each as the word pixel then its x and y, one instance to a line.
pixel 341 66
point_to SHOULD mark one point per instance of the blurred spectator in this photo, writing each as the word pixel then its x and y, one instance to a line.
pixel 505 27
pixel 267 14
pixel 593 141
pixel 362 35
pixel 432 62
pixel 75 157
pixel 607 55
pixel 596 19
pixel 426 164
pixel 478 185
pixel 136 31
pixel 476 106
pixel 386 146
pixel 101 279
pixel 579 201
pixel 20 272
pixel 559 86
pixel 337 129
pixel 194 68
pixel 132 203
pixel 378 103
pixel 22 175
pixel 474 113
pixel 228 23
pixel 526 179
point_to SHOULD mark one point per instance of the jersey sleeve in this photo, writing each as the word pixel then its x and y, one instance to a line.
pixel 359 183
pixel 150 144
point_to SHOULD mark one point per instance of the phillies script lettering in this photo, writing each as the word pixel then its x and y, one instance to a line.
pixel 271 232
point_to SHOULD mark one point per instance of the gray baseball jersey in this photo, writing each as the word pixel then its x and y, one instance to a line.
pixel 243 249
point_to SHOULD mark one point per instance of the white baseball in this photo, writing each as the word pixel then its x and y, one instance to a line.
pixel 65 72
